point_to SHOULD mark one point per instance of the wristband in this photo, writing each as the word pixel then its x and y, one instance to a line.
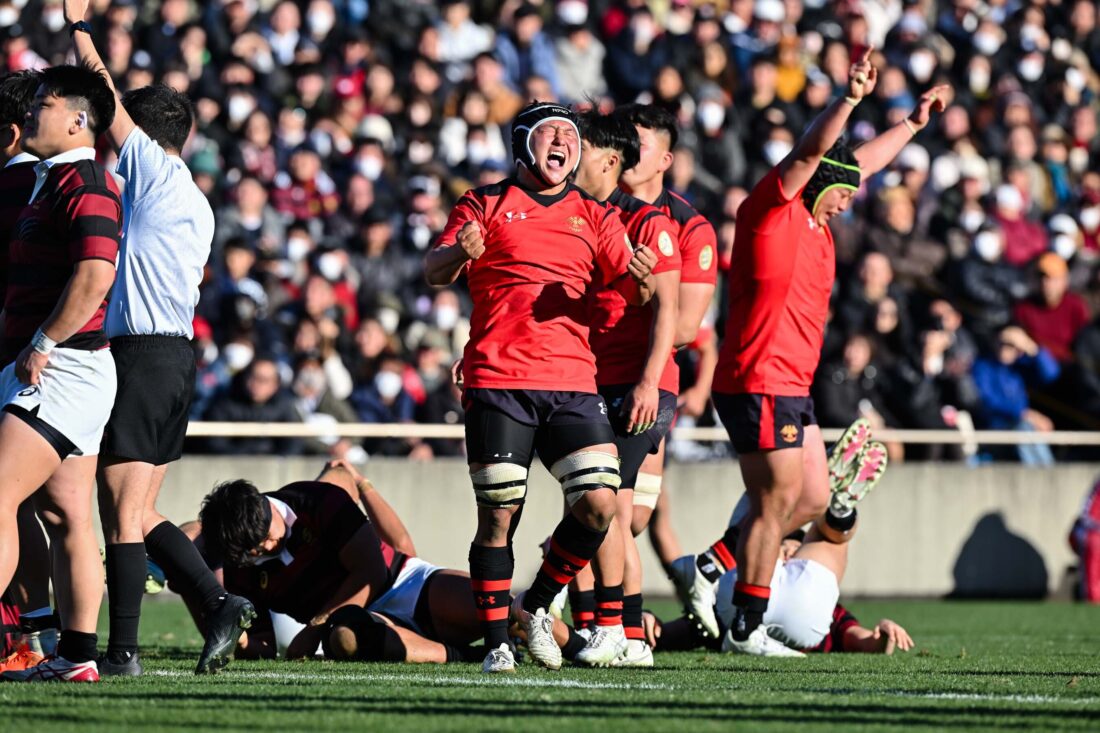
pixel 853 101
pixel 42 343
pixel 909 124
pixel 81 26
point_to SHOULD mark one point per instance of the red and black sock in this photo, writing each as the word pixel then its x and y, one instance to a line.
pixel 572 547
pixel 491 581
pixel 125 589
pixel 719 558
pixel 632 616
pixel 609 605
pixel 76 646
pixel 751 602
pixel 582 606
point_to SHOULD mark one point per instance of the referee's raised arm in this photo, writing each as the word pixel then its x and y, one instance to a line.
pixel 81 32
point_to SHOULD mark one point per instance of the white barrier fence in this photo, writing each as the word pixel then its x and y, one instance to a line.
pixel 703 435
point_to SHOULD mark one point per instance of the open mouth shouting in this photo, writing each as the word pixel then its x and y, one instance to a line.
pixel 556 160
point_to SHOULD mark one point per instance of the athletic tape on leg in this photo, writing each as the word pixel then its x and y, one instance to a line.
pixel 586 471
pixel 647 488
pixel 501 484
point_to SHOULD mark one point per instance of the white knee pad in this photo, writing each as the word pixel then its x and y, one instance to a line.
pixel 501 484
pixel 647 488
pixel 586 471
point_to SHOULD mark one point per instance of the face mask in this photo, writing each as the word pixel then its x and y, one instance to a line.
pixel 420 237
pixel 209 353
pixel 477 152
pixel 921 66
pixel 389 319
pixel 293 138
pixel 643 32
pixel 979 81
pixel 1078 160
pixel 420 153
pixel 239 107
pixel 54 19
pixel 1064 246
pixel 776 150
pixel 369 168
pixel 678 24
pixel 9 16
pixel 987 44
pixel 446 316
pixel 1030 69
pixel 237 356
pixel 988 246
pixel 711 116
pixel 1090 218
pixel 934 365
pixel 297 248
pixel 388 384
pixel 330 266
pixel 971 220
pixel 311 380
pixel 1075 79
pixel 320 22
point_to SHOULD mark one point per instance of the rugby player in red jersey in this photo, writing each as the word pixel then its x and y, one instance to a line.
pixel 632 346
pixel 782 272
pixel 534 249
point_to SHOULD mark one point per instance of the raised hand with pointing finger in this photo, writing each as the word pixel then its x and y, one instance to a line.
pixel 862 76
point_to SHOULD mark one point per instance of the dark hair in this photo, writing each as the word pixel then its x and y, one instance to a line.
pixel 829 174
pixel 612 132
pixel 17 92
pixel 652 117
pixel 235 519
pixel 87 89
pixel 163 113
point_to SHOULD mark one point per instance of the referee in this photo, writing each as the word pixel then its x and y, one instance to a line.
pixel 166 243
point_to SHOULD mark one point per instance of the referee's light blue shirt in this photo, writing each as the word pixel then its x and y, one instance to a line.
pixel 167 230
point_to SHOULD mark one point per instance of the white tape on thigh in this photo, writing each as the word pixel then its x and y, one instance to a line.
pixel 500 484
pixel 586 471
pixel 646 490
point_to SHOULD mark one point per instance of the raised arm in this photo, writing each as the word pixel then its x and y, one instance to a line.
pixel 876 154
pixel 797 168
pixel 387 524
pixel 123 125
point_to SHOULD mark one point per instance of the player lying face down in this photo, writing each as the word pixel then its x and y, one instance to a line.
pixel 308 557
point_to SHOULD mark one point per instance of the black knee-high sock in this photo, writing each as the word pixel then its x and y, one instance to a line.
pixel 572 546
pixel 632 616
pixel 76 646
pixel 609 605
pixel 183 565
pixel 582 606
pixel 125 588
pixel 752 603
pixel 491 581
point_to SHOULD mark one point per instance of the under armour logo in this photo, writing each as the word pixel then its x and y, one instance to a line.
pixel 603 409
pixel 511 216
pixel 504 455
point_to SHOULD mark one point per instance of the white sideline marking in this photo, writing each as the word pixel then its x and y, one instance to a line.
pixel 986 697
pixel 434 680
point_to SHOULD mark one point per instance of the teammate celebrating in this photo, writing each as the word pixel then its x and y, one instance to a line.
pixel 59 390
pixel 166 243
pixel 632 346
pixel 534 247
pixel 782 272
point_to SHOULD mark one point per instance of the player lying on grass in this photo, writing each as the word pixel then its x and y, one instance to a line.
pixel 803 612
pixel 352 583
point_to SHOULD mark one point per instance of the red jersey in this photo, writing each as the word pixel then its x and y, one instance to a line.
pixel 698 242
pixel 781 277
pixel 76 216
pixel 16 185
pixel 532 288
pixel 621 332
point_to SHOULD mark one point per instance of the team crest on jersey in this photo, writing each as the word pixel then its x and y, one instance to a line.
pixel 575 223
pixel 307 536
pixel 706 257
pixel 263 580
pixel 789 433
pixel 511 216
pixel 664 244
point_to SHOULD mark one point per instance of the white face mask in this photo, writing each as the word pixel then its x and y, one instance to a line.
pixel 420 152
pixel 1078 160
pixel 711 115
pixel 370 167
pixel 330 266
pixel 1090 218
pixel 776 150
pixel 477 152
pixel 1075 79
pixel 389 320
pixel 9 16
pixel 239 107
pixel 986 44
pixel 54 19
pixel 921 66
pixel 320 22
pixel 388 384
pixel 209 353
pixel 237 356
pixel 934 365
pixel 1030 68
pixel 979 80
pixel 643 32
pixel 988 246
pixel 1064 246
pixel 297 248
pixel 971 220
pixel 446 316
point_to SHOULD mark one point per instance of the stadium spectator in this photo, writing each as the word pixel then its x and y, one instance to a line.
pixel 255 395
pixel 1054 316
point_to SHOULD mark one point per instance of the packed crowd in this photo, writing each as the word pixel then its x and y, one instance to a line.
pixel 333 136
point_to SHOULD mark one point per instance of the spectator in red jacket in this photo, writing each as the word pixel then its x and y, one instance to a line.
pixel 1054 316
pixel 1024 239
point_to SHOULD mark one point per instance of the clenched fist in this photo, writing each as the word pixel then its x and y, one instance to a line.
pixel 642 263
pixel 471 241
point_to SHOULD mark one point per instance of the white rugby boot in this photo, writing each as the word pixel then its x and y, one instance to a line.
pixel 696 593
pixel 605 646
pixel 499 660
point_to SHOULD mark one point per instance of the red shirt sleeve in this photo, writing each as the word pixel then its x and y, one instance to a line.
pixel 699 250
pixel 658 232
pixel 613 246
pixel 469 208
pixel 766 206
pixel 95 224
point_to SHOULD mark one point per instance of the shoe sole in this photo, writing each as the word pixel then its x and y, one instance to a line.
pixel 871 481
pixel 219 660
pixel 840 466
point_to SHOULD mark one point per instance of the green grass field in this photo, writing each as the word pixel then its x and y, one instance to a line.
pixel 977 666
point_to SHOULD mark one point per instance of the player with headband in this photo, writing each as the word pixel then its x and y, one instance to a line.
pixel 781 278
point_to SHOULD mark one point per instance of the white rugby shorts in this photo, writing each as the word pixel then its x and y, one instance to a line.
pixel 399 602
pixel 74 395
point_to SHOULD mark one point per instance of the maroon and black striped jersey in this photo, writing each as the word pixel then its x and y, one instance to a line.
pixel 77 215
pixel 16 185
pixel 834 640
pixel 304 578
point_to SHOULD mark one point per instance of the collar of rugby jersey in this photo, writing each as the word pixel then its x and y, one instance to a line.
pixel 21 158
pixel 42 168
pixel 289 518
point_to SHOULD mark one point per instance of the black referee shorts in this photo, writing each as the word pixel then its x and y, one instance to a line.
pixel 156 380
